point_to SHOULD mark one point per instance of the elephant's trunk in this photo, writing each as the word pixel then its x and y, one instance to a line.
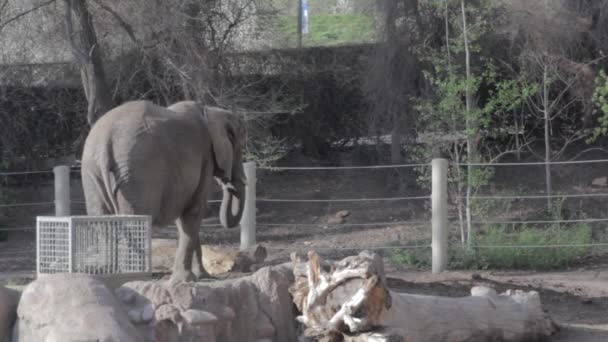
pixel 233 203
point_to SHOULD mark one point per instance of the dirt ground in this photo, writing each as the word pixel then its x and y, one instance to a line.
pixel 576 298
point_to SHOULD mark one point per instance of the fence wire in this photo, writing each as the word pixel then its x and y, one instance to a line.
pixel 348 248
pixel 567 162
pixel 295 200
pixel 368 167
pixel 499 197
pixel 34 204
pixel 372 224
pixel 543 246
pixel 366 224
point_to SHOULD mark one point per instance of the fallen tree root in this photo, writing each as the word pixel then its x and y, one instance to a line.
pixel 348 300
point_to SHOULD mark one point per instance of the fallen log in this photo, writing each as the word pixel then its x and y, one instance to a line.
pixel 216 260
pixel 349 300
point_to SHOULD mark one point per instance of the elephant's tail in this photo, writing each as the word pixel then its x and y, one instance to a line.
pixel 108 174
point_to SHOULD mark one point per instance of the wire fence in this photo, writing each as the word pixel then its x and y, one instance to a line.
pixel 394 223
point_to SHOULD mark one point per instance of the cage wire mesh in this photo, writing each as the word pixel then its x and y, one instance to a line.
pixel 99 245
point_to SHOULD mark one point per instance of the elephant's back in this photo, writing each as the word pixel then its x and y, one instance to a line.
pixel 153 153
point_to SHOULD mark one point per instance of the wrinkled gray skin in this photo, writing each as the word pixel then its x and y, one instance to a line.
pixel 143 159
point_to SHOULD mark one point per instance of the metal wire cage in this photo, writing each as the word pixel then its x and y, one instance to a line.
pixel 98 245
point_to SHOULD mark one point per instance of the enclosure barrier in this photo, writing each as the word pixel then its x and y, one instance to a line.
pixel 62 190
pixel 248 228
pixel 438 221
pixel 440 215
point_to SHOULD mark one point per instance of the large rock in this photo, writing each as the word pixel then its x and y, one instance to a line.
pixel 70 308
pixel 254 308
pixel 8 311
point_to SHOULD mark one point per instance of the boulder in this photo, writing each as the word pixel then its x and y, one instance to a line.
pixel 71 307
pixel 253 308
pixel 338 218
pixel 8 311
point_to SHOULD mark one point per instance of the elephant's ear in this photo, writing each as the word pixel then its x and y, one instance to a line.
pixel 223 137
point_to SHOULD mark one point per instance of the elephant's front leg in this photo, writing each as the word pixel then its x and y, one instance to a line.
pixel 182 267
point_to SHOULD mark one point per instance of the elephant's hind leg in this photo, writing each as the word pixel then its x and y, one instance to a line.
pixel 197 261
pixel 188 247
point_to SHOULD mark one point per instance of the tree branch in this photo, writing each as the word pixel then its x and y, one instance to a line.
pixel 128 28
pixel 589 150
pixel 22 14
pixel 500 155
pixel 80 56
pixel 569 140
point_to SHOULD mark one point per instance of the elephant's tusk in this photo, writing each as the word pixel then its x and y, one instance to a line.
pixel 230 188
pixel 223 184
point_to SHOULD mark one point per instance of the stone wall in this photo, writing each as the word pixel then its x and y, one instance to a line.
pixel 255 308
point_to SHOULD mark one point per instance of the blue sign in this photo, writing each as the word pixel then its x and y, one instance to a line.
pixel 304 16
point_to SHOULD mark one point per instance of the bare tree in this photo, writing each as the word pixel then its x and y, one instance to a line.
pixel 552 33
pixel 87 54
pixel 394 73
pixel 471 130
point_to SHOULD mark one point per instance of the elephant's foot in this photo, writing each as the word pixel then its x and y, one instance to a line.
pixel 182 276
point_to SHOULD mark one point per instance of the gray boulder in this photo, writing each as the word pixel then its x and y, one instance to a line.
pixel 8 311
pixel 70 308
pixel 255 308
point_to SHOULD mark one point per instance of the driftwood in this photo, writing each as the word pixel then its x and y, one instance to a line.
pixel 216 260
pixel 349 300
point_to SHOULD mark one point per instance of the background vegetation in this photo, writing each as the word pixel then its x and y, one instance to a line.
pixel 392 80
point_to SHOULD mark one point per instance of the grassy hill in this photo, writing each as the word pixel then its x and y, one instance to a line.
pixel 327 29
pixel 329 24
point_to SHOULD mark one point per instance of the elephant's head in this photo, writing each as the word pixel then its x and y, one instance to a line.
pixel 227 131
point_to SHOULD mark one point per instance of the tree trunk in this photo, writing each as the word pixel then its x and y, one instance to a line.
pixel 461 218
pixel 547 115
pixel 396 141
pixel 349 300
pixel 447 35
pixel 470 126
pixel 517 142
pixel 85 48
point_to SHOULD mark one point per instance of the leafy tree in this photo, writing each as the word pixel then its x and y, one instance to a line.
pixel 470 95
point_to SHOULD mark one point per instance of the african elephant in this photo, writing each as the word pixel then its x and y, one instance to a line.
pixel 143 159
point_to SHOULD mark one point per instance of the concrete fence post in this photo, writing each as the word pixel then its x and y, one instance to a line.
pixel 439 219
pixel 62 190
pixel 248 224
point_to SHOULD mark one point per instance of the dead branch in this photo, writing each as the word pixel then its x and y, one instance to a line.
pixel 349 300
pixel 24 13
pixel 125 26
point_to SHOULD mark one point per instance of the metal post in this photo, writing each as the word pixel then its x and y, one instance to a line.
pixel 439 219
pixel 248 228
pixel 62 190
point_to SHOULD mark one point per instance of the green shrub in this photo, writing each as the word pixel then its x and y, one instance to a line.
pixel 419 258
pixel 515 249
